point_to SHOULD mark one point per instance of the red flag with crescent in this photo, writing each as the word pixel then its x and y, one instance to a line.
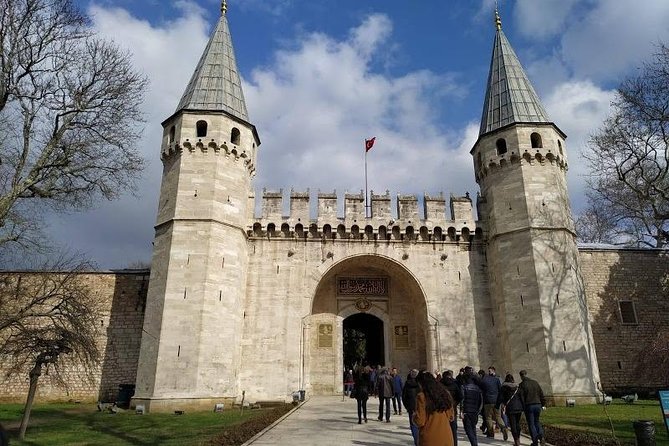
pixel 369 143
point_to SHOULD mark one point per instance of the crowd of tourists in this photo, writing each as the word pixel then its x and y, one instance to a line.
pixel 434 402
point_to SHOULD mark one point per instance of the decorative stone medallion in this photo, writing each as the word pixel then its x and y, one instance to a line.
pixel 363 304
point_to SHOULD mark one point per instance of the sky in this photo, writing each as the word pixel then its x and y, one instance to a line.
pixel 321 76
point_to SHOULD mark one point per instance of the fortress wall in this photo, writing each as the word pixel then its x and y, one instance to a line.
pixel 124 298
pixel 640 276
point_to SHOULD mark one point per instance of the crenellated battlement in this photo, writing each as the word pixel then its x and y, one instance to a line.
pixel 406 224
pixel 540 157
pixel 231 151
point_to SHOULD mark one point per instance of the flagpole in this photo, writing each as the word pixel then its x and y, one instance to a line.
pixel 366 194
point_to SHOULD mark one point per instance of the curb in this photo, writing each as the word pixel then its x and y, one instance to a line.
pixel 271 426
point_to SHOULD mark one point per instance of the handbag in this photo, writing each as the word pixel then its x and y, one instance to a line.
pixel 354 393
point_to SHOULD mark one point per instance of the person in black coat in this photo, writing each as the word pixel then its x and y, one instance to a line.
pixel 361 390
pixel 472 403
pixel 409 393
pixel 455 390
pixel 512 406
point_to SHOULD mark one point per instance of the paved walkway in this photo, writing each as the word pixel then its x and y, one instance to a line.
pixel 329 421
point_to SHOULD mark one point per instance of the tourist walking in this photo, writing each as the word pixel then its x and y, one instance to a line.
pixel 384 390
pixel 434 412
pixel 534 402
pixel 361 391
pixel 409 394
pixel 455 390
pixel 397 391
pixel 348 382
pixel 372 380
pixel 472 403
pixel 512 406
pixel 491 402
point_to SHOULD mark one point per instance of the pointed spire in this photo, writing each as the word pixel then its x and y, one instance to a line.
pixel 216 84
pixel 510 97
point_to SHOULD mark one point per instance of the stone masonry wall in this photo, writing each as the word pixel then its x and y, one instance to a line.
pixel 639 276
pixel 124 294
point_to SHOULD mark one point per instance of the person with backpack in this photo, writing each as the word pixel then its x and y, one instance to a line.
pixel 512 406
pixel 472 403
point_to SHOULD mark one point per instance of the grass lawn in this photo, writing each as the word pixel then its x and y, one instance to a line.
pixel 82 424
pixel 592 419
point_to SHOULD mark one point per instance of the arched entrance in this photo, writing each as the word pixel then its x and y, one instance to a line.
pixel 363 340
pixel 368 297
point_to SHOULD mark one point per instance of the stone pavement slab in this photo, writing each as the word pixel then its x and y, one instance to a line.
pixel 331 421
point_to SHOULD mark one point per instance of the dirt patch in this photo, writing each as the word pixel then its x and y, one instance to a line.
pixel 565 437
pixel 241 433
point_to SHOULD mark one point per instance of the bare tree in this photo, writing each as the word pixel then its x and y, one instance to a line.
pixel 69 115
pixel 628 158
pixel 48 320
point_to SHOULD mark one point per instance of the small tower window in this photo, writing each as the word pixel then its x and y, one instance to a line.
pixel 628 314
pixel 560 147
pixel 170 138
pixel 201 127
pixel 535 138
pixel 501 146
pixel 235 136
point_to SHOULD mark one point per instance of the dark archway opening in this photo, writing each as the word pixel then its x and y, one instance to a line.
pixel 363 341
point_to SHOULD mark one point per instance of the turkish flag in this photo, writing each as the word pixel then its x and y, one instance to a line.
pixel 369 143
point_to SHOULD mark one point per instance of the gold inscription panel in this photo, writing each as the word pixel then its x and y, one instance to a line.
pixel 325 335
pixel 401 336
pixel 362 286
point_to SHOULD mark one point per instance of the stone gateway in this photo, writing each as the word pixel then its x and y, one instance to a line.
pixel 232 296
pixel 267 305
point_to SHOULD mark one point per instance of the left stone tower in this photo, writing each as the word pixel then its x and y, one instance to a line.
pixel 190 351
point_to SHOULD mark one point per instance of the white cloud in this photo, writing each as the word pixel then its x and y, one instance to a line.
pixel 614 37
pixel 578 108
pixel 317 102
pixel 542 19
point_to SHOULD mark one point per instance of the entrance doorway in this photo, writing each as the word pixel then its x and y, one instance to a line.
pixel 363 340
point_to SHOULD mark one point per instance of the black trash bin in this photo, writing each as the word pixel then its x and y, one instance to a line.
pixel 644 431
pixel 302 393
pixel 125 394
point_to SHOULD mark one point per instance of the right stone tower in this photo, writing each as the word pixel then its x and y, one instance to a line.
pixel 539 306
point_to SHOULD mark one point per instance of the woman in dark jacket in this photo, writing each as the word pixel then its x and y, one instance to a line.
pixel 361 391
pixel 512 406
pixel 409 393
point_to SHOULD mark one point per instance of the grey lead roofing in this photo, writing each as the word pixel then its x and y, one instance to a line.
pixel 510 97
pixel 216 84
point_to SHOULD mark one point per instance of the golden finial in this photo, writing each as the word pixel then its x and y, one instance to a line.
pixel 224 6
pixel 498 20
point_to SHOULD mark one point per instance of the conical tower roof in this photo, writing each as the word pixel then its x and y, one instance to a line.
pixel 510 97
pixel 216 85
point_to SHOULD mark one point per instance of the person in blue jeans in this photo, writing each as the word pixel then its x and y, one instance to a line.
pixel 397 391
pixel 472 403
pixel 534 402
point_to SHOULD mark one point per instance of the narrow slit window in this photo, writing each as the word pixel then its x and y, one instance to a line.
pixel 501 146
pixel 235 136
pixel 201 128
pixel 535 139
